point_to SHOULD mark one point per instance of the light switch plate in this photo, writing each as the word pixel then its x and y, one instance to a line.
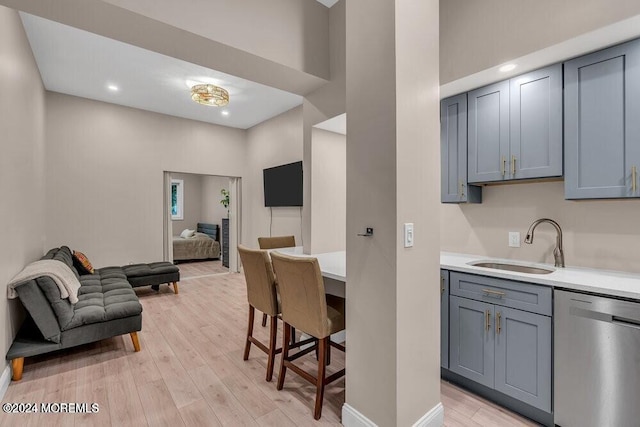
pixel 408 235
pixel 514 239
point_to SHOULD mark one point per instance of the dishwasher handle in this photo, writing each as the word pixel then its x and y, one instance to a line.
pixel 625 322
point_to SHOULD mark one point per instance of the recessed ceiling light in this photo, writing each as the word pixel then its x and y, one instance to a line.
pixel 507 67
pixel 225 113
pixel 113 88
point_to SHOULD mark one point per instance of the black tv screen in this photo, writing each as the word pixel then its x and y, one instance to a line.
pixel 283 185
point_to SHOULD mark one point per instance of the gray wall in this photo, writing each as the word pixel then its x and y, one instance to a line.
pixel 476 35
pixel 104 174
pixel 599 234
pixel 192 202
pixel 22 209
pixel 212 210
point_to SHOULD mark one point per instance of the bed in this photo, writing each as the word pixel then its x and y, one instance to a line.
pixel 204 245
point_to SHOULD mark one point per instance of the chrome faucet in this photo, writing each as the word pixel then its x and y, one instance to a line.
pixel 558 254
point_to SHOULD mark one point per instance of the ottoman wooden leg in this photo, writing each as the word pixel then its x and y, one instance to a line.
pixel 175 287
pixel 17 365
pixel 134 339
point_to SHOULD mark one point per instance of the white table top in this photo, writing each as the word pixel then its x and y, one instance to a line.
pixel 332 264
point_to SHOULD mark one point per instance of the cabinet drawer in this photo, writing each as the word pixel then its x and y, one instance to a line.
pixel 509 293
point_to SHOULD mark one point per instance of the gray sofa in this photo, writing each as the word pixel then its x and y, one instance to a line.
pixel 107 306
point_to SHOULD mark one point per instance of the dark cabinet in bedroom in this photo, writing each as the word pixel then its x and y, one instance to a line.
pixel 225 242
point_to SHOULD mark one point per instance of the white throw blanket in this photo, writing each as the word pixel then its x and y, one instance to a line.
pixel 58 271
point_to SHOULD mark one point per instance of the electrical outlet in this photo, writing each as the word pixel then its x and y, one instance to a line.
pixel 514 239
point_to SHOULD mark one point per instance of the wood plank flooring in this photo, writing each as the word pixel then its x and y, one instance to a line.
pixel 190 371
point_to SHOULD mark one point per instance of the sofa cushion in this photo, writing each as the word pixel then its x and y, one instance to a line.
pixel 152 269
pixel 105 295
pixel 82 263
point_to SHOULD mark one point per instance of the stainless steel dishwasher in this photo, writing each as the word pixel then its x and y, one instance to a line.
pixel 596 361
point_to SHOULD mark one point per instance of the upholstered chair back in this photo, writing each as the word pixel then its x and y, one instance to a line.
pixel 276 242
pixel 302 294
pixel 261 283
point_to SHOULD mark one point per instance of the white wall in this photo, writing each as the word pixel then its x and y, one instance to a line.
pixel 22 210
pixel 192 202
pixel 329 196
pixel 104 174
pixel 272 143
pixel 212 210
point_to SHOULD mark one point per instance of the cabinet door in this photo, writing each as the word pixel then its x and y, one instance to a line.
pixel 488 133
pixel 602 129
pixel 453 152
pixel 536 124
pixel 471 336
pixel 444 318
pixel 523 356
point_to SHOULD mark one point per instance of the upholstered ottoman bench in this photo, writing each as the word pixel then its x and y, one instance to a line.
pixel 154 274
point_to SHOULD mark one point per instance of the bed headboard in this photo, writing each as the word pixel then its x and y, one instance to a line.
pixel 210 230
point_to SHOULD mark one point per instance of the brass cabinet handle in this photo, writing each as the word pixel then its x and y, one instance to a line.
pixel 513 165
pixel 504 166
pixel 496 293
pixel 634 172
pixel 487 325
pixel 498 327
pixel 441 285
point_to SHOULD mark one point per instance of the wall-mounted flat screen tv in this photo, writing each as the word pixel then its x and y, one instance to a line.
pixel 283 185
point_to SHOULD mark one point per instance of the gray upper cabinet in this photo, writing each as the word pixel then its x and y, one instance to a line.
pixel 536 124
pixel 444 318
pixel 523 356
pixel 453 148
pixel 515 128
pixel 488 133
pixel 602 123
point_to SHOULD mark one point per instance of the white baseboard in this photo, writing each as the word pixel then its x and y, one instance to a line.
pixel 433 418
pixel 5 380
pixel 352 418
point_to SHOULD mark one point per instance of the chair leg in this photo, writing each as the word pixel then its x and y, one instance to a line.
pixel 134 340
pixel 286 337
pixel 247 345
pixel 264 320
pixel 293 335
pixel 272 346
pixel 17 365
pixel 175 288
pixel 322 368
pixel 328 351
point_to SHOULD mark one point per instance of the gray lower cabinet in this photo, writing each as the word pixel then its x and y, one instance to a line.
pixel 444 318
pixel 497 345
pixel 515 128
pixel 453 149
pixel 471 340
pixel 602 129
pixel 523 356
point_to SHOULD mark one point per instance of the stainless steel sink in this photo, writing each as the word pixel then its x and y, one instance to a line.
pixel 514 267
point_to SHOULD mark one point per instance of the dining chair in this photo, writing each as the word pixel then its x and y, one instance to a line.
pixel 262 295
pixel 307 307
pixel 275 243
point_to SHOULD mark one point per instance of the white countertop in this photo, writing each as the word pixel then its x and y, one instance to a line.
pixel 332 264
pixel 616 283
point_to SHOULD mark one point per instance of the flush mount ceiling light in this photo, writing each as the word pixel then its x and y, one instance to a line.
pixel 208 94
pixel 507 67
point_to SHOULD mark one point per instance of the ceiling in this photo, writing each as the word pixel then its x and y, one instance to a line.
pixel 80 63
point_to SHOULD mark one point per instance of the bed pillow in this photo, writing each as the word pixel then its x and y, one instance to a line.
pixel 82 263
pixel 187 233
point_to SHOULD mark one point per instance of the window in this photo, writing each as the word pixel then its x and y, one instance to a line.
pixel 177 191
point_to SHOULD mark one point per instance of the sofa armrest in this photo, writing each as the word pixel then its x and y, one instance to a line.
pixel 40 310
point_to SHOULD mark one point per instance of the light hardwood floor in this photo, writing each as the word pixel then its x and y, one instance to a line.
pixel 201 268
pixel 190 372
